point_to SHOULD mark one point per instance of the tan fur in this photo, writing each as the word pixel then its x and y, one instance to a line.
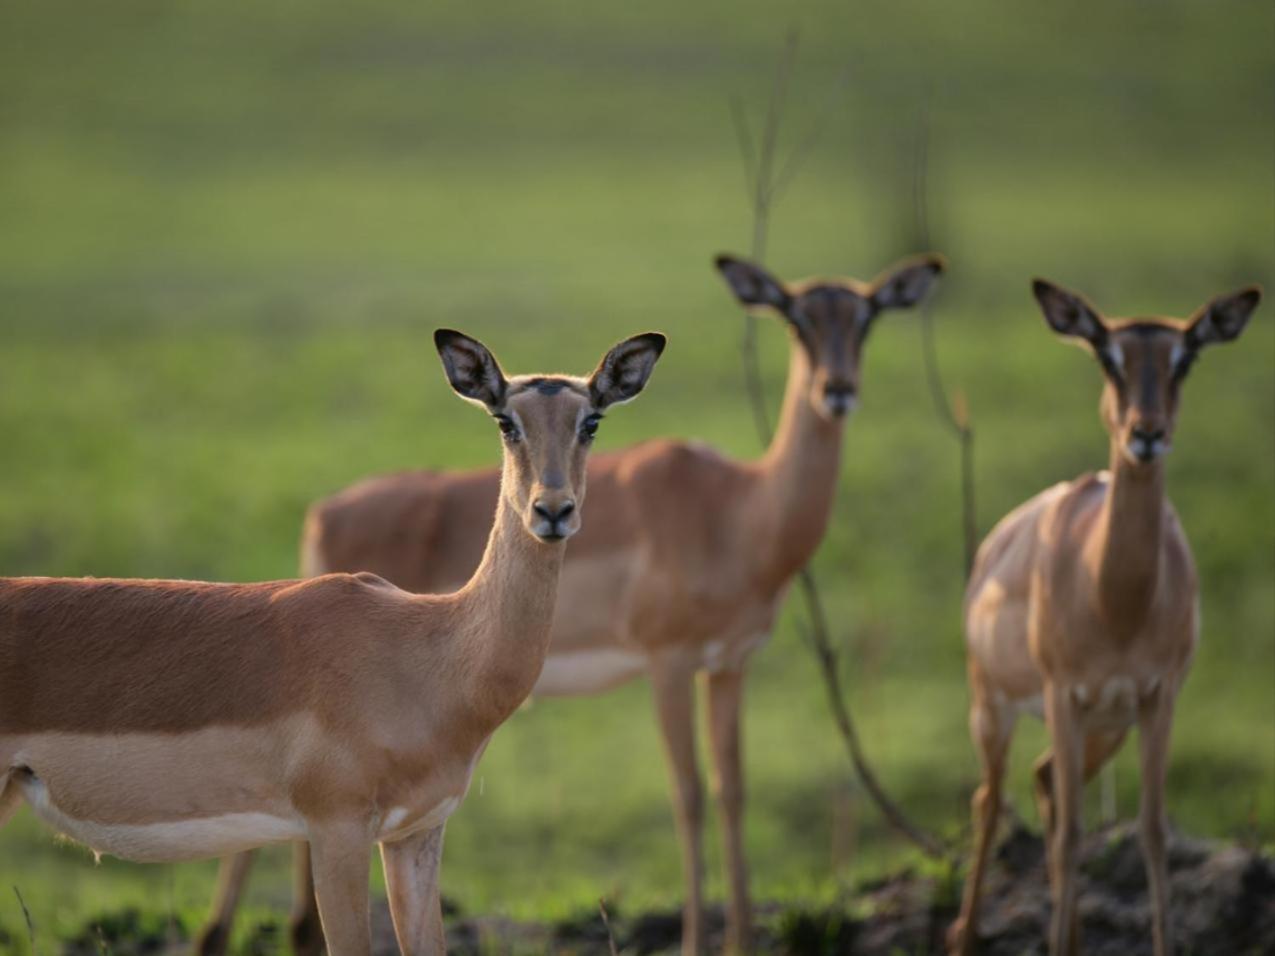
pixel 159 720
pixel 1082 607
pixel 683 564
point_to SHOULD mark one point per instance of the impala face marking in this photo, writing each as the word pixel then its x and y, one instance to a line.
pixel 547 422
pixel 1144 360
pixel 831 318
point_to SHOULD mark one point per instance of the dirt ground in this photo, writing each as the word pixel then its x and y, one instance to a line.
pixel 1223 905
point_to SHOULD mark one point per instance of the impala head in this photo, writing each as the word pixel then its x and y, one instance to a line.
pixel 1144 360
pixel 831 318
pixel 547 421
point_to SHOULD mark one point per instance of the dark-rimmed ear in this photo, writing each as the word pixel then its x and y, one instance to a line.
pixel 1069 314
pixel 623 371
pixel 471 369
pixel 1221 319
pixel 753 285
pixel 905 284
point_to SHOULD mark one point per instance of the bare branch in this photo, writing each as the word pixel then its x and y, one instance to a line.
pixel 953 415
pixel 765 189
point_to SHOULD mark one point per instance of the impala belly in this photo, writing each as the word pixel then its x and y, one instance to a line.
pixel 588 671
pixel 157 797
pixel 168 841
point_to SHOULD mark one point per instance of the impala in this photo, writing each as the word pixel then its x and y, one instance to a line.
pixel 682 573
pixel 168 720
pixel 1083 608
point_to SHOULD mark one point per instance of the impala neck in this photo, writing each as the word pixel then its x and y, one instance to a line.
pixel 799 471
pixel 512 595
pixel 1130 530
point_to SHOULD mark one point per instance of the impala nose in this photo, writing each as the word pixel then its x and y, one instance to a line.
pixel 552 515
pixel 839 399
pixel 1146 443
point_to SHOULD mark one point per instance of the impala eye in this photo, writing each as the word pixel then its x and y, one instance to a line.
pixel 508 428
pixel 589 428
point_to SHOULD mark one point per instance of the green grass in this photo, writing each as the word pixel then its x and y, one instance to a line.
pixel 228 231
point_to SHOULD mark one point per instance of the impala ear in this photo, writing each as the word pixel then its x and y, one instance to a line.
pixel 1069 314
pixel 623 371
pixel 904 285
pixel 752 284
pixel 1222 319
pixel 471 369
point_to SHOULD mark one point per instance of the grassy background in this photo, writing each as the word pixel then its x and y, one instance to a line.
pixel 226 232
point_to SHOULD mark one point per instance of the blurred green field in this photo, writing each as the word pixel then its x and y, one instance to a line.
pixel 227 232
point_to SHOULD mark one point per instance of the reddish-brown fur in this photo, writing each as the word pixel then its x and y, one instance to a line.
pixel 167 719
pixel 1083 602
pixel 686 556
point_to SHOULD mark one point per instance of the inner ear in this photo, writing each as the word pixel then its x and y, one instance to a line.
pixel 1222 319
pixel 903 286
pixel 471 369
pixel 752 284
pixel 1069 314
pixel 623 371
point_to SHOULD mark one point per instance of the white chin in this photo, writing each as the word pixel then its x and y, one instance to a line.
pixel 837 408
pixel 1138 453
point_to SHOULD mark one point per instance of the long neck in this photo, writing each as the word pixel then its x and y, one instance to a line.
pixel 798 473
pixel 1128 540
pixel 507 609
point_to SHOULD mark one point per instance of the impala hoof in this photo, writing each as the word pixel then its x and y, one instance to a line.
pixel 959 942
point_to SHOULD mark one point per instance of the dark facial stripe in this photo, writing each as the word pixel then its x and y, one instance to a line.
pixel 548 386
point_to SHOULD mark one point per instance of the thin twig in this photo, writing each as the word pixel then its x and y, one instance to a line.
pixel 26 915
pixel 953 414
pixel 764 189
pixel 606 922
pixel 828 667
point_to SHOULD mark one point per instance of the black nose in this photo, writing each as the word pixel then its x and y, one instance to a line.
pixel 1148 435
pixel 549 514
pixel 839 391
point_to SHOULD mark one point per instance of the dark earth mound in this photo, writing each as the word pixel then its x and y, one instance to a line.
pixel 1223 905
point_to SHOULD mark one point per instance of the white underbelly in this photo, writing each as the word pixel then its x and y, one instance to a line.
pixel 588 671
pixel 168 840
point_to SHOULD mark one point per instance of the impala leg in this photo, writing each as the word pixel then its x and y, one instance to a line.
pixel 340 855
pixel 1099 747
pixel 232 874
pixel 1067 744
pixel 1155 722
pixel 304 927
pixel 991 732
pixel 411 881
pixel 672 679
pixel 725 700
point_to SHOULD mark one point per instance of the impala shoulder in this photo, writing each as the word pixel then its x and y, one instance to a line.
pixel 677 460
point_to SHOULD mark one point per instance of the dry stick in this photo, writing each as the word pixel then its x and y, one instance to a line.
pixel 954 414
pixel 26 915
pixel 763 189
pixel 606 922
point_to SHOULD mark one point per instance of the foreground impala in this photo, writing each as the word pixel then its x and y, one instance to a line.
pixel 682 571
pixel 167 720
pixel 1083 606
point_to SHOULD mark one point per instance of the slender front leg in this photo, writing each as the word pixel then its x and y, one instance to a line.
pixel 340 855
pixel 1155 722
pixel 672 678
pixel 232 874
pixel 411 882
pixel 1067 744
pixel 304 927
pixel 991 731
pixel 725 703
